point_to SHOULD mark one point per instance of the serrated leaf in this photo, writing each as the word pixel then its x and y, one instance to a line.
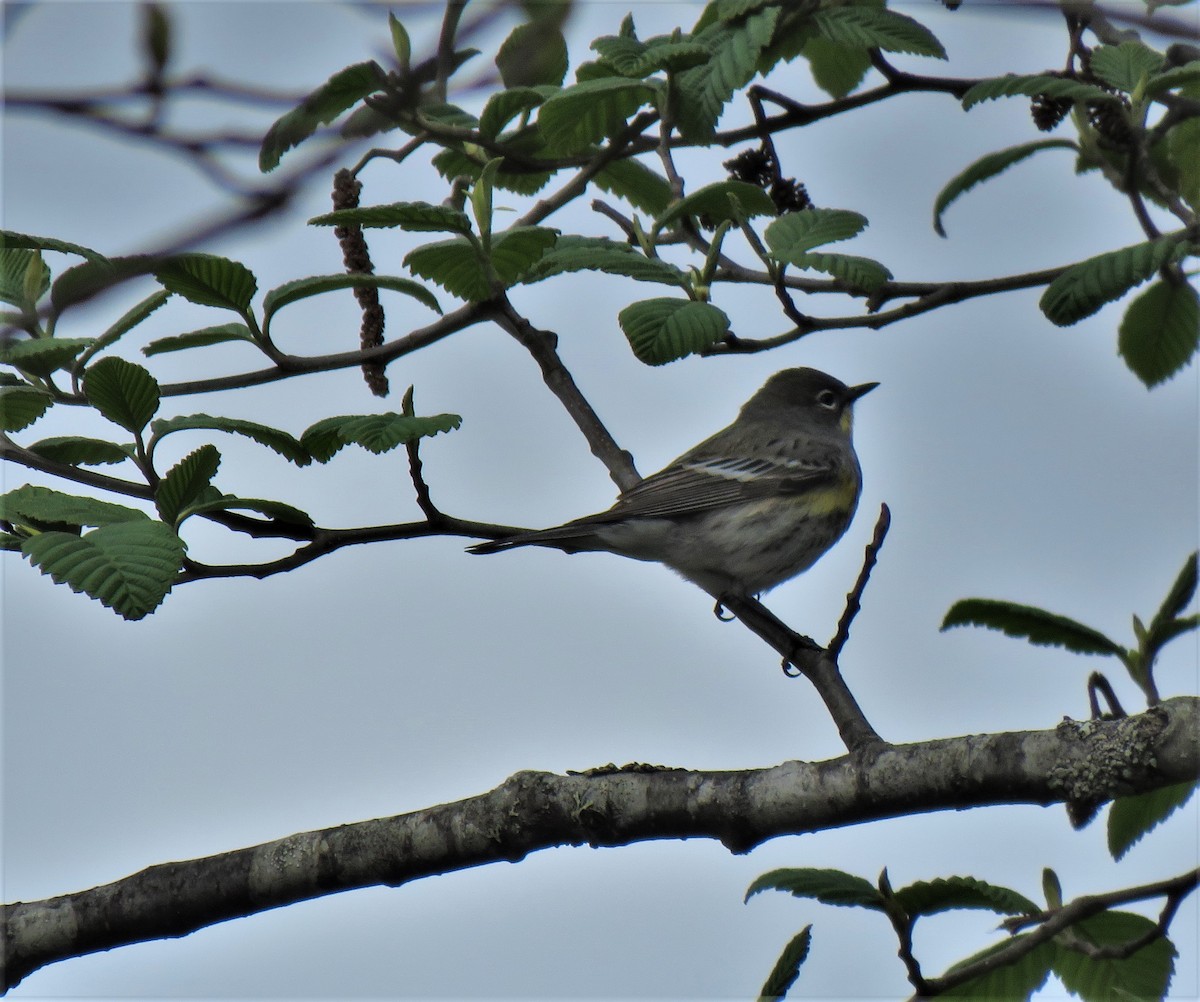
pixel 1130 818
pixel 455 265
pixel 279 441
pixel 83 281
pixel 9 238
pixel 42 356
pixel 794 234
pixel 272 509
pixel 302 288
pixel 341 91
pixel 1016 981
pixel 1013 85
pixel 836 68
pixel 1183 588
pixel 641 187
pixel 185 482
pixel 734 50
pixel 868 27
pixel 1124 66
pixel 586 112
pixel 15 265
pixel 534 53
pixel 413 217
pixel 1160 331
pixel 124 393
pixel 130 319
pixel 830 887
pixel 635 59
pixel 376 433
pixel 1030 623
pixel 128 566
pixel 209 280
pixel 452 163
pixel 1145 974
pixel 1083 288
pixel 42 506
pixel 1178 76
pixel 517 249
pixel 861 274
pixel 576 253
pixel 503 106
pixel 988 167
pixel 11 543
pixel 787 968
pixel 76 450
pixel 20 406
pixel 663 330
pixel 928 897
pixel 716 202
pixel 202 338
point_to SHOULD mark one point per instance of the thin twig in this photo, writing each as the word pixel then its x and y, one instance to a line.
pixel 854 598
pixel 1098 684
pixel 412 447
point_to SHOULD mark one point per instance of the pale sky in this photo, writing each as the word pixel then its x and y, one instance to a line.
pixel 1020 461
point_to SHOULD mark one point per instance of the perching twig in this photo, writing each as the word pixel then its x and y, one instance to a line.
pixel 1097 684
pixel 854 598
pixel 424 501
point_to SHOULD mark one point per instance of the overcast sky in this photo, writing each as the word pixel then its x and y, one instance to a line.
pixel 1020 461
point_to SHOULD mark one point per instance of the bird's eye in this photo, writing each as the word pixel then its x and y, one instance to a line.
pixel 827 398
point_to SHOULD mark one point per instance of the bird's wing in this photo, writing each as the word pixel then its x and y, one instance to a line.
pixel 700 483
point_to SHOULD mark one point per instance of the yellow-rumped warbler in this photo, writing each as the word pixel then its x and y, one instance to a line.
pixel 742 511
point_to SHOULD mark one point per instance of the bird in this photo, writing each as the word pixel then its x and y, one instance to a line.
pixel 748 508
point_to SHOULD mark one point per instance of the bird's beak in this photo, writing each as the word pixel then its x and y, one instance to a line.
pixel 854 392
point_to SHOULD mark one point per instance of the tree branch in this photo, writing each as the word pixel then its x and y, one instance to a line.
pixel 536 810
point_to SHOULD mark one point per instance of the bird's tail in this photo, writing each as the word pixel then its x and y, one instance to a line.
pixel 570 539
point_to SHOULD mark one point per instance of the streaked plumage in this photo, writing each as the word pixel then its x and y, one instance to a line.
pixel 746 509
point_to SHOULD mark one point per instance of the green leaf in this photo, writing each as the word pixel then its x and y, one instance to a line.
pixel 185 482
pixel 517 249
pixel 452 163
pixel 481 200
pixel 1145 974
pixel 787 968
pixel 534 53
pixel 1160 331
pixel 1178 76
pixel 1125 66
pixel 794 234
pixel 861 274
pixel 20 406
pixel 278 441
pixel 376 433
pixel 830 887
pixel 401 44
pixel 83 281
pixel 9 238
pixel 128 566
pixel 663 330
pixel 928 897
pixel 635 59
pixel 1030 623
pixel 124 393
pixel 1083 288
pixel 1130 818
pixel 587 112
pixel 1015 981
pixel 414 217
pixel 455 265
pixel 15 267
pixel 576 253
pixel 126 323
pixel 836 68
pixel 30 505
pixel 228 502
pixel 641 187
pixel 209 280
pixel 1031 86
pixel 42 356
pixel 1183 151
pixel 717 203
pixel 302 288
pixel 988 167
pixel 1182 591
pixel 342 90
pixel 504 106
pixel 867 27
pixel 734 50
pixel 77 450
pixel 218 334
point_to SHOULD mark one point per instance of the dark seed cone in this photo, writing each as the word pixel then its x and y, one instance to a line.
pixel 1048 111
